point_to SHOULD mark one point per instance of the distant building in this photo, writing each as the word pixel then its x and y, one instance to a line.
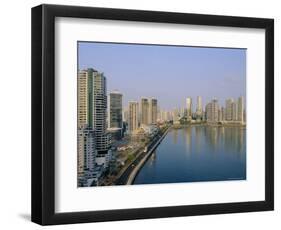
pixel 133 123
pixel 228 109
pixel 222 114
pixel 115 110
pixel 240 116
pixel 234 110
pixel 176 115
pixel 115 115
pixel 219 115
pixel 199 108
pixel 212 111
pixel 125 114
pixel 244 116
pixel 153 111
pixel 144 110
pixel 189 108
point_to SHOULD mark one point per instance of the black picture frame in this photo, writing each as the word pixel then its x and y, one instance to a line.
pixel 43 114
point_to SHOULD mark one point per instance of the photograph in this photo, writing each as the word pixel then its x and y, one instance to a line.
pixel 140 113
pixel 154 114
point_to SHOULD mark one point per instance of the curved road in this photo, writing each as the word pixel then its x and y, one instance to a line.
pixel 122 180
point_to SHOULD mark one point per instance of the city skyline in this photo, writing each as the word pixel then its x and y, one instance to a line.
pixel 148 110
pixel 221 74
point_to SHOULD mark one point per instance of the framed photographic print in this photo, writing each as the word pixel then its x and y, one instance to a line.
pixel 142 114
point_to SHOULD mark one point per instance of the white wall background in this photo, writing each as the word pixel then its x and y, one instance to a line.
pixel 15 114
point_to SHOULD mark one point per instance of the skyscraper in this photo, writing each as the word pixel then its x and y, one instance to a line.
pixel 222 114
pixel 86 150
pixel 189 108
pixel 83 111
pixel 99 110
pixel 234 110
pixel 199 108
pixel 228 109
pixel 115 110
pixel 212 111
pixel 86 141
pixel 152 111
pixel 144 111
pixel 240 116
pixel 133 123
pixel 176 115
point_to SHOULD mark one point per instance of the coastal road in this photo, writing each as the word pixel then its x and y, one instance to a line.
pixel 122 180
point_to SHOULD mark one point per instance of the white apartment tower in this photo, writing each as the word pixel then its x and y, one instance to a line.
pixel 240 111
pixel 189 108
pixel 228 109
pixel 212 111
pixel 86 150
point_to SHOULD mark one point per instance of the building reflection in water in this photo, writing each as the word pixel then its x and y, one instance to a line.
pixel 219 154
pixel 152 159
pixel 234 140
pixel 212 137
pixel 188 139
pixel 198 138
pixel 241 143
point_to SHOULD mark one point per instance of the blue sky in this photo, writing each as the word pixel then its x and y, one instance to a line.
pixel 168 73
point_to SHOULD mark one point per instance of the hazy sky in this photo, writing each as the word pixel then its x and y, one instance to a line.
pixel 168 73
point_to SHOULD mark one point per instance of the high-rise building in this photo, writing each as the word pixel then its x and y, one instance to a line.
pixel 86 146
pixel 115 110
pixel 152 111
pixel 234 110
pixel 144 107
pixel 228 109
pixel 83 111
pixel 222 114
pixel 212 111
pixel 176 115
pixel 133 121
pixel 244 116
pixel 199 108
pixel 163 116
pixel 189 108
pixel 182 111
pixel 86 150
pixel 158 113
pixel 240 116
pixel 93 109
pixel 97 89
pixel 125 114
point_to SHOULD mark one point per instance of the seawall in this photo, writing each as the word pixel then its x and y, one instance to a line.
pixel 138 167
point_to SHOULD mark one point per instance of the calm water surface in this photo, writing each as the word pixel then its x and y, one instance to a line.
pixel 197 153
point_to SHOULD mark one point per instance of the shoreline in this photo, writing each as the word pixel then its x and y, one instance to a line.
pixel 210 125
pixel 139 166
